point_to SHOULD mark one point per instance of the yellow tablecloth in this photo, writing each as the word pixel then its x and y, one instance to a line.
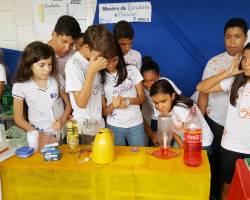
pixel 132 176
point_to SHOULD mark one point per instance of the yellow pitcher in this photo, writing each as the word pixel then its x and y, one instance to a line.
pixel 103 147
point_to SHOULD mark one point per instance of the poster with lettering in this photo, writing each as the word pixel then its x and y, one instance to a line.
pixel 131 12
pixel 46 13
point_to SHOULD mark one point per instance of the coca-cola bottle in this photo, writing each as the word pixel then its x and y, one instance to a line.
pixel 192 139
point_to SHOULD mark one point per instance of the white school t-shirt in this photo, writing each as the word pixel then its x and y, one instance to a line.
pixel 125 117
pixel 61 62
pixel 2 74
pixel 133 57
pixel 76 71
pixel 42 103
pixel 236 136
pixel 180 115
pixel 218 101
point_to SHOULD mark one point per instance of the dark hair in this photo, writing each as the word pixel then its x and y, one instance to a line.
pixel 164 87
pixel 67 25
pixel 99 38
pixel 240 80
pixel 123 29
pixel 32 53
pixel 236 22
pixel 81 36
pixel 148 64
pixel 121 66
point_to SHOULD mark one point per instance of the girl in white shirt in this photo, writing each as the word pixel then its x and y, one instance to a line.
pixel 166 100
pixel 236 138
pixel 150 71
pixel 36 85
pixel 123 95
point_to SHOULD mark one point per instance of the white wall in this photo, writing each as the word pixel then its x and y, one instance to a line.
pixel 16 23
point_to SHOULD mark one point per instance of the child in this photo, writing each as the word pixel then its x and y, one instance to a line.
pixel 79 42
pixel 36 85
pixel 214 105
pixel 151 72
pixel 124 35
pixel 167 100
pixel 64 36
pixel 236 138
pixel 123 95
pixel 3 79
pixel 83 81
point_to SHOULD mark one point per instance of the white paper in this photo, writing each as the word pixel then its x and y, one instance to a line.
pixel 46 13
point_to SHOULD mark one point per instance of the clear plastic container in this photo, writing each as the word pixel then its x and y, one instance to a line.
pixel 88 131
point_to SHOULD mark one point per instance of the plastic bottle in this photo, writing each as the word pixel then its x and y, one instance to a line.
pixel 192 139
pixel 72 136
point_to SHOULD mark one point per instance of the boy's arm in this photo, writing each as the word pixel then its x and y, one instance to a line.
pixel 18 115
pixel 82 97
pixel 68 108
pixel 202 102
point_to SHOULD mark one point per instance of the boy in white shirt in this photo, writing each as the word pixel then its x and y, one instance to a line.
pixel 83 81
pixel 215 105
pixel 124 35
pixel 64 36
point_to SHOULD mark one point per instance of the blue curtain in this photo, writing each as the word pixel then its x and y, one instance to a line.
pixel 184 35
pixel 11 59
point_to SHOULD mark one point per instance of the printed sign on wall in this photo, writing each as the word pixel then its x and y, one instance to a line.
pixel 131 12
pixel 46 13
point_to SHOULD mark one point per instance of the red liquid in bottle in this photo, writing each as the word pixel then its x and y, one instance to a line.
pixel 164 151
pixel 192 147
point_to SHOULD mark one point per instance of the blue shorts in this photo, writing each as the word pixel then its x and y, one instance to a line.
pixel 134 136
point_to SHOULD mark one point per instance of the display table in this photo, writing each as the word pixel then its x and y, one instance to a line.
pixel 240 186
pixel 133 175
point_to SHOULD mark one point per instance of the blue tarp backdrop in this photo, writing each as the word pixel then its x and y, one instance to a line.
pixel 11 59
pixel 184 35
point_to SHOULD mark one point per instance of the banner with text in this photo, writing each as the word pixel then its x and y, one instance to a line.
pixel 131 12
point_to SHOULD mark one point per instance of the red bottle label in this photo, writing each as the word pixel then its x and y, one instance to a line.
pixel 192 147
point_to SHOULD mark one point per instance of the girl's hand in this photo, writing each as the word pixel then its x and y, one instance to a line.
pixel 234 68
pixel 97 63
pixel 154 138
pixel 124 102
pixel 116 101
pixel 45 139
pixel 57 125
